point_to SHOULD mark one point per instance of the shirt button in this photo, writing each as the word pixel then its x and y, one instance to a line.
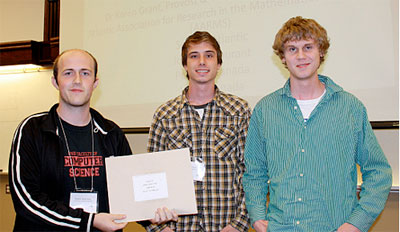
pixel 298 222
pixel 301 174
pixel 299 199
pixel 295 107
pixel 305 127
pixel 302 150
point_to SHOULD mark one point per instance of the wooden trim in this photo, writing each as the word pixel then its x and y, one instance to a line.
pixel 46 27
pixel 379 125
pixel 393 189
pixel 51 20
pixel 136 130
pixel 28 52
pixel 54 48
pixel 36 52
pixel 19 52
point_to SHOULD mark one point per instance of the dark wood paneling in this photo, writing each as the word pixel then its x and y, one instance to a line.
pixel 28 52
pixel 136 130
pixel 36 52
pixel 20 52
pixel 379 125
pixel 51 20
pixel 54 48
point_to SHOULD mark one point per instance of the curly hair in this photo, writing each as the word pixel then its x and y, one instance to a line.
pixel 299 28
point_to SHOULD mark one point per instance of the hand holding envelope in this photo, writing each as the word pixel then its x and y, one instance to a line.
pixel 164 215
pixel 112 222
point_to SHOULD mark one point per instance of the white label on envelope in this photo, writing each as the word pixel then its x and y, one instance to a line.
pixel 150 187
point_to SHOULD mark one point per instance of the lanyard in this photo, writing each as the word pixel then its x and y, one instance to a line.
pixel 70 158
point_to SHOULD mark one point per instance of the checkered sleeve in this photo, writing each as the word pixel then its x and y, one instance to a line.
pixel 157 134
pixel 155 228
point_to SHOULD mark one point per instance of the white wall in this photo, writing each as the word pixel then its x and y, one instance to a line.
pixel 21 20
pixel 20 96
pixel 138 44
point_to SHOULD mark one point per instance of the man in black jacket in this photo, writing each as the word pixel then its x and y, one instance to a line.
pixel 57 167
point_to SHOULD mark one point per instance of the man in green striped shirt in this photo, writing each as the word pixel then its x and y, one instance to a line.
pixel 304 143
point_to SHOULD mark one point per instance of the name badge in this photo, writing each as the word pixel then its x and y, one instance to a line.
pixel 198 170
pixel 85 201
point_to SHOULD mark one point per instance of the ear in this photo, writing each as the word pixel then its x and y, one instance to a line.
pixel 283 60
pixel 321 54
pixel 96 82
pixel 218 67
pixel 54 82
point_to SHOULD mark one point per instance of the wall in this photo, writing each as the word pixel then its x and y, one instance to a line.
pixel 21 20
pixel 20 96
pixel 138 46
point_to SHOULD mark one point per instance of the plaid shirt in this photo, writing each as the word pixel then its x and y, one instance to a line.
pixel 218 139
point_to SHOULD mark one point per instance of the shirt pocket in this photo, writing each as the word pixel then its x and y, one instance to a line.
pixel 225 142
pixel 179 138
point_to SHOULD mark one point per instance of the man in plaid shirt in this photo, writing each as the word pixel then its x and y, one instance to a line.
pixel 213 125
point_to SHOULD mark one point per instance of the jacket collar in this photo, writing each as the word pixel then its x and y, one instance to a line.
pixel 100 123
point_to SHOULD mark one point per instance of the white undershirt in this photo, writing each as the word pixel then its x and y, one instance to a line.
pixel 307 106
pixel 200 112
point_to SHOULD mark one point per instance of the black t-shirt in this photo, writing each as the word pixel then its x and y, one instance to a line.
pixel 83 165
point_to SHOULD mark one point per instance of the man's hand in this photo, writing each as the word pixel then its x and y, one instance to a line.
pixel 167 229
pixel 260 225
pixel 229 228
pixel 164 215
pixel 105 222
pixel 347 227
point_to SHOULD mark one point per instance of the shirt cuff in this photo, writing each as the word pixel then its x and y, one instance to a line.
pixel 256 213
pixel 360 219
pixel 155 228
pixel 240 223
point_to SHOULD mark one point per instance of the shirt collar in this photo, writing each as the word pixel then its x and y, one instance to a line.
pixel 330 86
pixel 216 99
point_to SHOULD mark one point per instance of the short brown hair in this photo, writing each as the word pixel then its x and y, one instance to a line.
pixel 199 37
pixel 55 65
pixel 299 28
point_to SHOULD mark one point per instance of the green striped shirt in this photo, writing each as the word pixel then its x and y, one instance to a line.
pixel 309 168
